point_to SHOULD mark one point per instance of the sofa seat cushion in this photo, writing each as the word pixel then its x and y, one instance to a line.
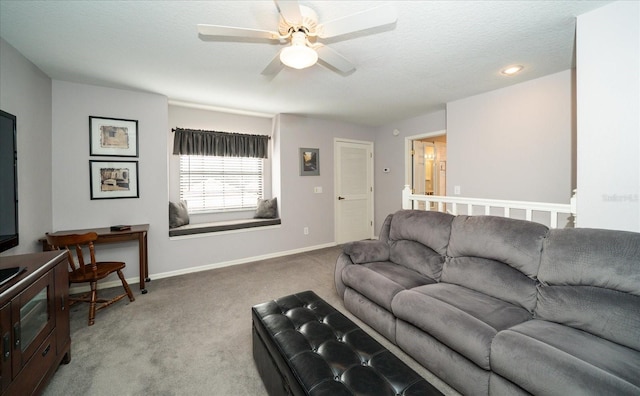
pixel 462 319
pixel 549 358
pixel 381 281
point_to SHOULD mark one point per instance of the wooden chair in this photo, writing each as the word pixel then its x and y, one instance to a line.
pixel 91 272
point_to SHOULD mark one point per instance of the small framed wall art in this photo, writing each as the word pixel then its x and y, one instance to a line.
pixel 114 179
pixel 309 162
pixel 113 137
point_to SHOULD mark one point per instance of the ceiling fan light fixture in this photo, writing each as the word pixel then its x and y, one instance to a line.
pixel 298 55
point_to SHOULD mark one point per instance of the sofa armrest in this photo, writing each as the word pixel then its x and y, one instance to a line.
pixel 367 251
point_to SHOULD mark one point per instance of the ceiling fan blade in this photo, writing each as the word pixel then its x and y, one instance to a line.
pixel 334 59
pixel 290 11
pixel 274 66
pixel 374 17
pixel 228 31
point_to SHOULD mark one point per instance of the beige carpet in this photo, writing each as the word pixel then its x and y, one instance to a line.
pixel 191 334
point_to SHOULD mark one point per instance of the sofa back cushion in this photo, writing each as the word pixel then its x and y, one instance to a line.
pixel 496 256
pixel 418 240
pixel 590 280
pixel 384 230
pixel 418 257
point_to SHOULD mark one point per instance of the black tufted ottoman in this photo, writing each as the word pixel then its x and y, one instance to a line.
pixel 304 346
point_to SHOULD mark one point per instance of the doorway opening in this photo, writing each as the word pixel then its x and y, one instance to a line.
pixel 426 163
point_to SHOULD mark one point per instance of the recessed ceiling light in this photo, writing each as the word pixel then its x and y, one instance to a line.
pixel 511 70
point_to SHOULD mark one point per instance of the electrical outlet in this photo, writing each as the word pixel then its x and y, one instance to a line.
pixel 305 230
pixel 456 190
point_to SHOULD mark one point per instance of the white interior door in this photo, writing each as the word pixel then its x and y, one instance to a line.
pixel 418 170
pixel 354 190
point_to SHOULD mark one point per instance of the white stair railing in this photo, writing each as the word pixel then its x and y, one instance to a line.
pixel 541 212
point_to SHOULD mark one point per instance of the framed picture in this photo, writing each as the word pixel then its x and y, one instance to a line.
pixel 113 179
pixel 113 137
pixel 309 162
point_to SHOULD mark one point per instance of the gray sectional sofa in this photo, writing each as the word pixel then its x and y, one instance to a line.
pixel 500 306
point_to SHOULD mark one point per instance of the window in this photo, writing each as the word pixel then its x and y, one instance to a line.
pixel 211 183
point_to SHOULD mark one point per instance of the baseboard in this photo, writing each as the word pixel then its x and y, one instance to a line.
pixel 133 282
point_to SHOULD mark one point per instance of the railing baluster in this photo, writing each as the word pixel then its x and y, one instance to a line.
pixel 451 204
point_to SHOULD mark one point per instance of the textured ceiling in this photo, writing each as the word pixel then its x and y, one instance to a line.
pixel 438 51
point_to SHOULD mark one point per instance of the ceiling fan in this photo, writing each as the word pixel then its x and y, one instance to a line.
pixel 300 28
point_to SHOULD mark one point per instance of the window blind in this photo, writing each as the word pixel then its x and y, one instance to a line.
pixel 211 183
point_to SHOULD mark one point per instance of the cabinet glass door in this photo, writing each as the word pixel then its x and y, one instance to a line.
pixel 33 318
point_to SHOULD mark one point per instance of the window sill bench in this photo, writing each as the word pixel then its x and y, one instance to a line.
pixel 220 226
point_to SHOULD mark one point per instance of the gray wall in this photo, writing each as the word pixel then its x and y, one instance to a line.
pixel 390 153
pixel 182 116
pixel 608 56
pixel 25 91
pixel 514 143
pixel 72 207
pixel 299 206
pixel 54 180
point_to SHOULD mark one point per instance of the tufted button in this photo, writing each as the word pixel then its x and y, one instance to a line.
pixel 365 363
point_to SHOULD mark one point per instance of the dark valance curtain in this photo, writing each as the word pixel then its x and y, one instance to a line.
pixel 221 144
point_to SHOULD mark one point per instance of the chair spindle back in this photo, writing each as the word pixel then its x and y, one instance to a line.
pixel 76 242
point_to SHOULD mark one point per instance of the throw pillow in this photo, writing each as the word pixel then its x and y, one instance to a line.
pixel 267 209
pixel 178 214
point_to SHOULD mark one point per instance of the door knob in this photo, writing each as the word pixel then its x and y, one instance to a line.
pixel 340 198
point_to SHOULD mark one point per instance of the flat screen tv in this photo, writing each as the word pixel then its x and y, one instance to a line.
pixel 8 182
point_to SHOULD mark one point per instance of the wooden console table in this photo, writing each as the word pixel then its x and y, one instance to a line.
pixel 137 232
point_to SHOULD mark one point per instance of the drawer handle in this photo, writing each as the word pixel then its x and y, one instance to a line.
pixel 46 350
pixel 16 335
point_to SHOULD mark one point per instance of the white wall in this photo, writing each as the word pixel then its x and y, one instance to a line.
pixel 25 91
pixel 608 80
pixel 390 153
pixel 514 143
